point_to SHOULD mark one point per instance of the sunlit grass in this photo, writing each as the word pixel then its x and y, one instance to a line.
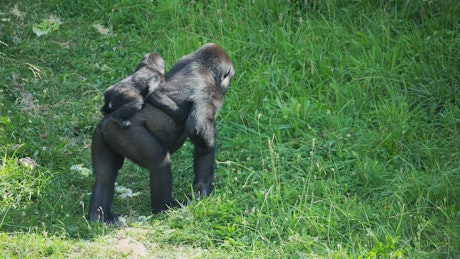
pixel 338 137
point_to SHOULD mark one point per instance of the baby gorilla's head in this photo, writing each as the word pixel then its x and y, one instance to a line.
pixel 153 61
pixel 149 73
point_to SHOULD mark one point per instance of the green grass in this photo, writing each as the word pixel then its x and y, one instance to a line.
pixel 339 136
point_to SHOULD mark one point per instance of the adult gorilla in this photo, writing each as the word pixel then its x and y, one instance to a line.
pixel 197 81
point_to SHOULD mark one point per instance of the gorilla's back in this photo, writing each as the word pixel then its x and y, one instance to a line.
pixel 160 125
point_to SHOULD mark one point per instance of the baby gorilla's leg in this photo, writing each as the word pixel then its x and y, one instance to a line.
pixel 124 124
pixel 121 115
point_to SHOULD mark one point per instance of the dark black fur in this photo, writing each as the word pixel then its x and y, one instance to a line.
pixel 209 71
pixel 197 81
pixel 125 98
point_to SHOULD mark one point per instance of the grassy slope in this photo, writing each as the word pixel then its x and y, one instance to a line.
pixel 339 135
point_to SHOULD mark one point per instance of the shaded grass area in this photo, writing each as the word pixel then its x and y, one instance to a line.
pixel 339 135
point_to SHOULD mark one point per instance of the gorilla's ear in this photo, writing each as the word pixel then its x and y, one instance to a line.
pixel 228 73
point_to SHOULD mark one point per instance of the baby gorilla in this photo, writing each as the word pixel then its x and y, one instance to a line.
pixel 125 98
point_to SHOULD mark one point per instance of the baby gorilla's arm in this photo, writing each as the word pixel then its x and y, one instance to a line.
pixel 177 112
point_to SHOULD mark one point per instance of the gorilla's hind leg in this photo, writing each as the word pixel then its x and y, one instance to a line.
pixel 139 145
pixel 106 164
